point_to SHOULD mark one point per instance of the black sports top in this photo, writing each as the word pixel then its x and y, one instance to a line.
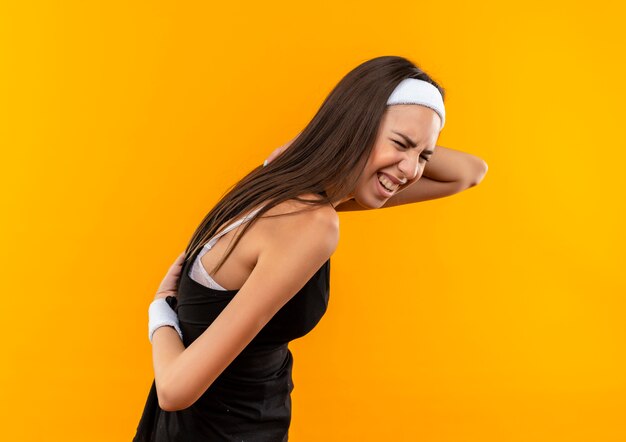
pixel 250 401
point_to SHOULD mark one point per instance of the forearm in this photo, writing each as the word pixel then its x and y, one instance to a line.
pixel 449 165
pixel 447 173
pixel 166 347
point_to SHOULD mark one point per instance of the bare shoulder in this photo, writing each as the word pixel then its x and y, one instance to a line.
pixel 292 218
pixel 294 206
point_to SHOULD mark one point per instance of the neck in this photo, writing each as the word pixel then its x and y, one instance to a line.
pixel 335 203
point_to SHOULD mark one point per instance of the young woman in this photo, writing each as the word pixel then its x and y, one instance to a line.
pixel 255 274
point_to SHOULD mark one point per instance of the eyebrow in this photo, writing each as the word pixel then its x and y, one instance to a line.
pixel 412 143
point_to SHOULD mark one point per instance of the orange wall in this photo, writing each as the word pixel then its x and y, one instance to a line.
pixel 493 315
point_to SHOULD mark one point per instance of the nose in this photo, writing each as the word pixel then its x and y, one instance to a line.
pixel 410 166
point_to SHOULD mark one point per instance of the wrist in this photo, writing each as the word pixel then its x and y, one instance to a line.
pixel 160 314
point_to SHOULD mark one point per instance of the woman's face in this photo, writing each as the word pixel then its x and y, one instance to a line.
pixel 393 159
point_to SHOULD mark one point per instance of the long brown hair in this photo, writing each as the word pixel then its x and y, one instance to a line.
pixel 328 155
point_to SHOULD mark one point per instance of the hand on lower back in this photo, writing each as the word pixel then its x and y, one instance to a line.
pixel 169 285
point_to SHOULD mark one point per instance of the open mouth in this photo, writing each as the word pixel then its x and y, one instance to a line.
pixel 386 184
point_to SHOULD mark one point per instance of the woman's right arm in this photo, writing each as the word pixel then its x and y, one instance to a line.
pixel 295 247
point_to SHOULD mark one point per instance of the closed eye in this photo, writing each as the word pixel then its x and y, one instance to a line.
pixel 422 157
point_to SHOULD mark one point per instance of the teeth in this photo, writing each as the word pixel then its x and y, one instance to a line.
pixel 386 183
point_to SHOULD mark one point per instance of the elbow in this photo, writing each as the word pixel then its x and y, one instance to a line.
pixel 171 405
pixel 168 401
pixel 168 406
pixel 165 403
pixel 477 175
pixel 177 393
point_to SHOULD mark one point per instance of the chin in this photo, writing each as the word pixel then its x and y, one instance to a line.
pixel 369 203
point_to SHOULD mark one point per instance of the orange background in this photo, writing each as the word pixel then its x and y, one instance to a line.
pixel 497 314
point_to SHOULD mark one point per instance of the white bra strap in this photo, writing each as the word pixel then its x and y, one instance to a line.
pixel 213 240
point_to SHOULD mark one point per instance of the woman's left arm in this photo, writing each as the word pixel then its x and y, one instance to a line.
pixel 447 172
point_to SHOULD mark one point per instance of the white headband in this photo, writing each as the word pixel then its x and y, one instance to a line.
pixel 414 91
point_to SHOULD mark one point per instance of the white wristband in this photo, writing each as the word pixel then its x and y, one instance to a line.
pixel 159 314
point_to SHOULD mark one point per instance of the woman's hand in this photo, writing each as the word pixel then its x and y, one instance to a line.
pixel 273 155
pixel 279 150
pixel 169 285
